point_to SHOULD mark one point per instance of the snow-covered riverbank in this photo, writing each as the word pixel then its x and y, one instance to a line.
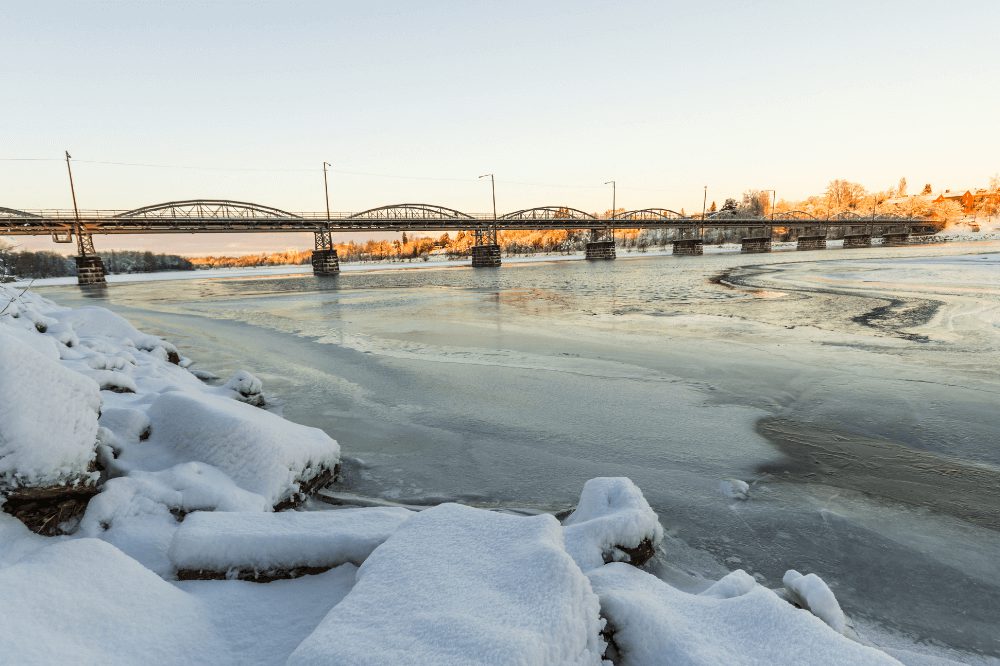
pixel 184 477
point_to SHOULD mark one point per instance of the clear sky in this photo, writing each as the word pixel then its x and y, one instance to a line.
pixel 411 101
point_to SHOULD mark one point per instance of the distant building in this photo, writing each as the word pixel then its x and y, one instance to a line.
pixel 967 199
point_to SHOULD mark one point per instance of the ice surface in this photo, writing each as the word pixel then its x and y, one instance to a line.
pixel 612 512
pixel 48 418
pixel 734 623
pixel 456 585
pixel 221 541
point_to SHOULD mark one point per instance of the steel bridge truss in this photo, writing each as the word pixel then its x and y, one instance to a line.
pixel 226 216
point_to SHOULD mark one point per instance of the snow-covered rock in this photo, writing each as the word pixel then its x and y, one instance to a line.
pixel 734 489
pixel 612 522
pixel 48 419
pixel 734 623
pixel 812 593
pixel 260 451
pixel 103 324
pixel 245 387
pixel 84 602
pixel 456 585
pixel 271 543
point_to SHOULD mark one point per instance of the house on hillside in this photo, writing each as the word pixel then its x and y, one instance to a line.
pixel 966 199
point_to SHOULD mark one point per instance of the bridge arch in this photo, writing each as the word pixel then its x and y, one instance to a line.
pixel 795 215
pixel 548 213
pixel 848 215
pixel 13 212
pixel 411 211
pixel 208 208
pixel 650 214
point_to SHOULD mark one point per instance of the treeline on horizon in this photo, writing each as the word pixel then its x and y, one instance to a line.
pixel 44 264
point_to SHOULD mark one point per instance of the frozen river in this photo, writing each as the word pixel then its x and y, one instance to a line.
pixel 857 391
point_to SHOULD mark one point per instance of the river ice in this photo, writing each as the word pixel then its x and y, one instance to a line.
pixel 854 391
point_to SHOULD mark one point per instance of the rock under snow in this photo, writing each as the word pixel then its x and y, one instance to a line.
pixel 812 593
pixel 734 489
pixel 733 622
pixel 84 602
pixel 48 420
pixel 612 522
pixel 246 388
pixel 261 452
pixel 456 585
pixel 265 546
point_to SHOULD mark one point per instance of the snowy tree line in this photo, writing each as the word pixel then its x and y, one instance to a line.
pixel 43 264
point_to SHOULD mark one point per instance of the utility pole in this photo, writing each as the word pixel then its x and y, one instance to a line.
pixel 614 205
pixel 326 190
pixel 704 203
pixel 76 211
pixel 492 235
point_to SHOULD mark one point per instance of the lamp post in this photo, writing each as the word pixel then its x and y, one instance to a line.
pixel 76 211
pixel 491 236
pixel 774 202
pixel 326 191
pixel 614 205
pixel 704 203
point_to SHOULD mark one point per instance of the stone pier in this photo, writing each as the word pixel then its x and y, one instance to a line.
pixel 811 243
pixel 857 240
pixel 689 247
pixel 896 239
pixel 755 245
pixel 89 269
pixel 486 256
pixel 600 250
pixel 325 262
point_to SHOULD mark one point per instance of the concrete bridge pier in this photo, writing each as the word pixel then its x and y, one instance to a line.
pixel 857 240
pixel 89 266
pixel 896 239
pixel 89 269
pixel 486 256
pixel 810 243
pixel 603 249
pixel 755 245
pixel 689 247
pixel 325 262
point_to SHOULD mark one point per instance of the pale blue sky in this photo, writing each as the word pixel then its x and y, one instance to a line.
pixel 554 97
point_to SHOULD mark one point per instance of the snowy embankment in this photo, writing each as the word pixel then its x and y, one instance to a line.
pixel 173 539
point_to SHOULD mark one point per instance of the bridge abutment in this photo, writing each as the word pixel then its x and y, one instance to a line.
pixel 896 239
pixel 689 247
pixel 857 240
pixel 604 249
pixel 89 269
pixel 810 243
pixel 755 245
pixel 325 262
pixel 486 256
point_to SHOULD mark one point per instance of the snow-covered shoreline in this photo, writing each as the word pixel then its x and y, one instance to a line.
pixel 188 476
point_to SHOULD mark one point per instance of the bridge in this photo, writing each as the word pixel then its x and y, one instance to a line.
pixel 225 216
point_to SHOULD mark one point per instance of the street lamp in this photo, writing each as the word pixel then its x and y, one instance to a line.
pixel 774 202
pixel 704 203
pixel 493 188
pixel 614 205
pixel 326 190
pixel 76 211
